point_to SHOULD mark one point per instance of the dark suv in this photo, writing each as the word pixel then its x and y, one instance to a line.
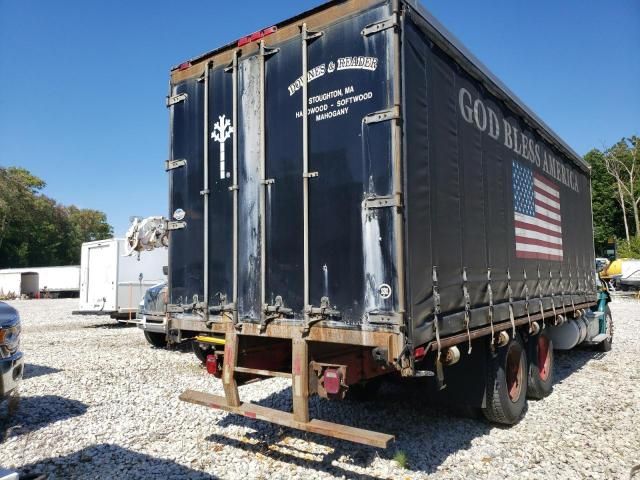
pixel 11 360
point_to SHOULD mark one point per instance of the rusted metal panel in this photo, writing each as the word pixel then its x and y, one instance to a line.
pixel 196 324
pixel 393 341
pixel 249 410
pixel 362 335
pixel 359 361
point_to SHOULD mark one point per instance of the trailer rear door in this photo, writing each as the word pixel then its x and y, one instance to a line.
pixel 352 261
pixel 349 161
pixel 101 276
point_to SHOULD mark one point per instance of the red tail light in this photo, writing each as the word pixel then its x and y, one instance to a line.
pixel 332 381
pixel 257 35
pixel 212 364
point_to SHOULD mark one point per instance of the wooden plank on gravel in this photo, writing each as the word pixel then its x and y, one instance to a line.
pixel 330 429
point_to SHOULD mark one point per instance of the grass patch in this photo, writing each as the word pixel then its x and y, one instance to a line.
pixel 401 459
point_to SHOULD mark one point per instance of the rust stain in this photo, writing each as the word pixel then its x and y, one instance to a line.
pixel 297 370
pixel 228 351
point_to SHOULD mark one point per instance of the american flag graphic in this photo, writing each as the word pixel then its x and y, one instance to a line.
pixel 538 224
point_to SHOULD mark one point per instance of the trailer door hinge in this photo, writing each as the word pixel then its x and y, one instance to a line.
pixel 171 164
pixel 172 100
pixel 171 225
pixel 317 314
pixel 383 115
pixel 223 307
pixel 267 52
pixel 386 24
pixel 388 318
pixel 382 202
pixel 313 35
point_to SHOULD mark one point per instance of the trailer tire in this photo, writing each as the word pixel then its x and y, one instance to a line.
pixel 506 389
pixel 156 339
pixel 605 346
pixel 541 363
pixel 200 353
pixel 365 391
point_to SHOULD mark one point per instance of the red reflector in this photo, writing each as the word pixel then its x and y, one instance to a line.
pixel 419 352
pixel 212 364
pixel 270 30
pixel 257 35
pixel 184 66
pixel 331 381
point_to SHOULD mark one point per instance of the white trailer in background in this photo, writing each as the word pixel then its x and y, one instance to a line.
pixel 10 285
pixel 58 279
pixel 55 281
pixel 16 284
pixel 112 282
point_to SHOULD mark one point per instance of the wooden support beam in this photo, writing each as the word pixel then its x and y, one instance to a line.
pixel 329 429
pixel 264 373
pixel 300 379
pixel 228 368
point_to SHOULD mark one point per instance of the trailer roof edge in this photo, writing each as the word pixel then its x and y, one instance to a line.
pixel 467 57
pixel 291 20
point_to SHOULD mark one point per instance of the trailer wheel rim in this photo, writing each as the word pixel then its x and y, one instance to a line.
pixel 515 373
pixel 544 357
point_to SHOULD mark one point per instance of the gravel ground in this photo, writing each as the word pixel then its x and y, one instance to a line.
pixel 98 402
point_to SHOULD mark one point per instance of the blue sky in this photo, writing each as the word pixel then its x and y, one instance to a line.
pixel 84 82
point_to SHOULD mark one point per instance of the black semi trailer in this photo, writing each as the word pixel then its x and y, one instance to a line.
pixel 354 195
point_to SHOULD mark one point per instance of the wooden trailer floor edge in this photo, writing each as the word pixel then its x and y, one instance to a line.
pixel 249 410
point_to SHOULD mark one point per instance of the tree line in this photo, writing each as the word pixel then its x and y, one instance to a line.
pixel 615 183
pixel 35 230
